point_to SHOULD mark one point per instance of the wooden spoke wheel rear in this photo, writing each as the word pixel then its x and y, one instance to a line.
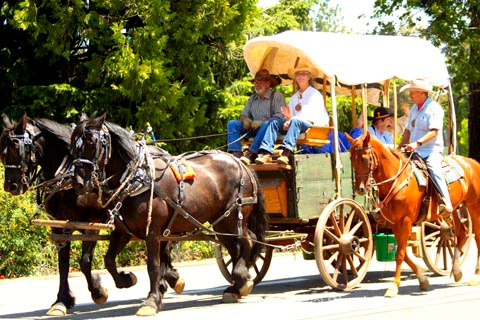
pixel 438 242
pixel 343 244
pixel 257 271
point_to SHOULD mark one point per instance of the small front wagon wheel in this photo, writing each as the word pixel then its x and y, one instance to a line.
pixel 343 244
pixel 257 271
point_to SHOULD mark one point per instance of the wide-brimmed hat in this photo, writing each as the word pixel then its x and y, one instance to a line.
pixel 303 68
pixel 264 74
pixel 417 85
pixel 380 113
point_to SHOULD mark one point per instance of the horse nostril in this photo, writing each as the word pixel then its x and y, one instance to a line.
pixel 13 187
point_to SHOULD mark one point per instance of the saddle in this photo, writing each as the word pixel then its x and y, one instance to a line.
pixel 452 172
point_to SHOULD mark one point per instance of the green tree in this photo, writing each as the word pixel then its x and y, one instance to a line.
pixel 165 62
pixel 453 26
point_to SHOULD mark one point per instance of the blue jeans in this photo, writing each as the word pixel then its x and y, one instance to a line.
pixel 235 130
pixel 275 126
pixel 434 164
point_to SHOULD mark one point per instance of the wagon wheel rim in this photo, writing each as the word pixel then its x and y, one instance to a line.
pixel 343 244
pixel 438 245
pixel 258 270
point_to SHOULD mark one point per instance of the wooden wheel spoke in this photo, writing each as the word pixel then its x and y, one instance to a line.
pixel 433 235
pixel 353 268
pixel 335 225
pixel 356 227
pixel 331 247
pixel 351 215
pixel 332 236
pixel 332 258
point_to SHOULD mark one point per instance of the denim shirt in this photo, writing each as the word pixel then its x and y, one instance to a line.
pixel 423 120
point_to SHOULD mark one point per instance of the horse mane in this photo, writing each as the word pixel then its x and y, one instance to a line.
pixel 61 132
pixel 398 154
pixel 3 139
pixel 120 136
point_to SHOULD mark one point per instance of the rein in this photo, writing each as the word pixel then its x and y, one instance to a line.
pixel 395 188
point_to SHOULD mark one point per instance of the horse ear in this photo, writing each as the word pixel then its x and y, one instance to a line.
pixel 103 117
pixel 6 122
pixel 366 140
pixel 83 117
pixel 22 123
pixel 349 137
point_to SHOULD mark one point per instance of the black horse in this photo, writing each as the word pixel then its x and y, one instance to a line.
pixel 41 143
pixel 180 199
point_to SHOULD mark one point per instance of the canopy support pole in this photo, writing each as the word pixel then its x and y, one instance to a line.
pixel 336 149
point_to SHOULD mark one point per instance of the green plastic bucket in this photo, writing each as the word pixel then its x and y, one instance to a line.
pixel 385 246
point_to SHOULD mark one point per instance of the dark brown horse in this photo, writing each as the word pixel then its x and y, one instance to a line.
pixel 401 197
pixel 224 194
pixel 40 143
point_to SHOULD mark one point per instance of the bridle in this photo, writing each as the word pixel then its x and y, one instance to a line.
pixel 103 150
pixel 28 164
pixel 373 164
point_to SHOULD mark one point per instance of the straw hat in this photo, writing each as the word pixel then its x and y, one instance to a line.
pixel 417 85
pixel 313 71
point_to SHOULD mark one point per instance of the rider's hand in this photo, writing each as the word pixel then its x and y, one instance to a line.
pixel 247 123
pixel 256 124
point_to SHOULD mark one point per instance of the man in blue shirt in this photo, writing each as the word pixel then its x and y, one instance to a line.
pixel 382 119
pixel 424 135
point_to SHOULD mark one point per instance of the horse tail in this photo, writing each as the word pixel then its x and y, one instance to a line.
pixel 258 224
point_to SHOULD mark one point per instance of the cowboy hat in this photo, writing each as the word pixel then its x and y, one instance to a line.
pixel 265 75
pixel 313 71
pixel 417 85
pixel 380 113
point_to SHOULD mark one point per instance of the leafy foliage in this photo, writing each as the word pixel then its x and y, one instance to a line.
pixel 453 26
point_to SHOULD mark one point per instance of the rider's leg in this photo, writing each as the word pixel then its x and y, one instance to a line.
pixel 434 164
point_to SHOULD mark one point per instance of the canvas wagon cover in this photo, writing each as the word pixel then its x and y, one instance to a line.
pixel 352 59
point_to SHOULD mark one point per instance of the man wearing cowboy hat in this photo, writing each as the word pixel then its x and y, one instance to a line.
pixel 260 107
pixel 381 121
pixel 306 108
pixel 424 135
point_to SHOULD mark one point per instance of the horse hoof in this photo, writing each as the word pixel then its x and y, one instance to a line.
pixel 102 298
pixel 57 310
pixel 229 297
pixel 475 281
pixel 391 292
pixel 246 289
pixel 457 275
pixel 146 311
pixel 179 286
pixel 423 282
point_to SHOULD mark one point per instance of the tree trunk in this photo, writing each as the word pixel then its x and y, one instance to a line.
pixel 474 122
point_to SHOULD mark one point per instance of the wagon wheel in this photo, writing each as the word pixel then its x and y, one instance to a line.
pixel 259 269
pixel 438 243
pixel 343 244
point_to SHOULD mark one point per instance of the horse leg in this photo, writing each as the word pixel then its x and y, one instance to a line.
pixel 153 303
pixel 65 299
pixel 402 233
pixel 118 241
pixel 98 293
pixel 461 233
pixel 242 284
pixel 474 210
pixel 172 277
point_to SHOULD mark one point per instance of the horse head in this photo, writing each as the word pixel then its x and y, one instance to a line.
pixel 18 154
pixel 91 149
pixel 363 161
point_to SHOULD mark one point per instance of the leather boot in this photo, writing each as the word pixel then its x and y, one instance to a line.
pixel 249 157
pixel 285 157
pixel 236 154
pixel 263 157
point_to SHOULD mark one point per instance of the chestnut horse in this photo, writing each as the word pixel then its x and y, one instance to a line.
pixel 43 143
pixel 400 199
pixel 157 205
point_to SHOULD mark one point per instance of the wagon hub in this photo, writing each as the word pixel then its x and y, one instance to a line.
pixel 349 244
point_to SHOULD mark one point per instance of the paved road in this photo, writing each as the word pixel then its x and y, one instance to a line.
pixel 292 289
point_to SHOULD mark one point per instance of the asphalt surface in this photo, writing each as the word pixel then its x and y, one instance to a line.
pixel 292 289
